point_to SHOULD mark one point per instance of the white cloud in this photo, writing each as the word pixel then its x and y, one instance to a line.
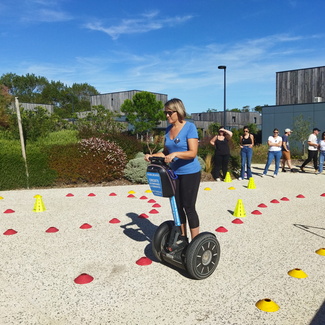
pixel 46 15
pixel 192 71
pixel 146 23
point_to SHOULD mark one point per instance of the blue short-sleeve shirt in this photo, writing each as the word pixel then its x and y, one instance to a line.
pixel 182 166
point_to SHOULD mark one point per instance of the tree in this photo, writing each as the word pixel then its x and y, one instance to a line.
pixel 259 108
pixel 99 121
pixel 143 112
pixel 37 89
pixel 27 88
pixel 301 127
pixel 213 128
pixel 36 123
pixel 5 100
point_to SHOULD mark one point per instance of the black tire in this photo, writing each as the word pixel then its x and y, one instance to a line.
pixel 202 255
pixel 160 238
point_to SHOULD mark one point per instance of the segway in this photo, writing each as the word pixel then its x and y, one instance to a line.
pixel 201 256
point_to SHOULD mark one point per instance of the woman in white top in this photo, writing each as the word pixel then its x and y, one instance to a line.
pixel 321 153
pixel 275 144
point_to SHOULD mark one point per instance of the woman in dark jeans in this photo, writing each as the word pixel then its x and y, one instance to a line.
pixel 222 152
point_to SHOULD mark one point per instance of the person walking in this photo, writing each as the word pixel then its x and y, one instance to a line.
pixel 275 143
pixel 312 150
pixel 321 153
pixel 246 144
pixel 221 153
pixel 286 155
pixel 180 152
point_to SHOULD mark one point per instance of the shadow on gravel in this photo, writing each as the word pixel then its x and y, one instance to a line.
pixel 142 230
pixel 319 318
pixel 312 230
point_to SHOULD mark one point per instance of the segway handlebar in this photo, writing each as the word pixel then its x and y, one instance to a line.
pixel 158 160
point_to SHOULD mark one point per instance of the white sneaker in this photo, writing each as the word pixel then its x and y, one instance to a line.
pixel 274 175
pixel 240 179
pixel 262 175
pixel 218 179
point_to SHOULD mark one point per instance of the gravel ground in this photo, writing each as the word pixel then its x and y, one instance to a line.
pixel 38 269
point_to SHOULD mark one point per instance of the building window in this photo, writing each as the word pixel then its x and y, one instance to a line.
pixel 234 119
pixel 255 120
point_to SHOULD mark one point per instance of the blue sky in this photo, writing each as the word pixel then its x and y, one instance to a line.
pixel 169 47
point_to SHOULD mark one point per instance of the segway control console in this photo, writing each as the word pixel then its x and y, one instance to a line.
pixel 201 256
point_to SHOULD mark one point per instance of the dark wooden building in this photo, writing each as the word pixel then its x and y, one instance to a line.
pixel 299 92
pixel 302 86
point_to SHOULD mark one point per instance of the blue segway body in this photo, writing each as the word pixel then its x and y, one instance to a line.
pixel 162 182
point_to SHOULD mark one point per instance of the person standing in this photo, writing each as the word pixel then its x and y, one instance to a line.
pixel 275 143
pixel 180 152
pixel 286 155
pixel 321 153
pixel 246 153
pixel 312 150
pixel 221 153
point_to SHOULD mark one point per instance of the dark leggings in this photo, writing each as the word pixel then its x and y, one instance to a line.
pixel 186 193
pixel 220 162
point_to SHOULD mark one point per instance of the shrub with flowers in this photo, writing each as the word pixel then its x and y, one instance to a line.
pixel 102 160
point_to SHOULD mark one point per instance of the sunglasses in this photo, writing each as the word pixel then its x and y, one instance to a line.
pixel 169 113
pixel 275 132
pixel 246 131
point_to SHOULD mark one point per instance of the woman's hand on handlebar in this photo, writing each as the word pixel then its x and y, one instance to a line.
pixel 170 158
pixel 146 157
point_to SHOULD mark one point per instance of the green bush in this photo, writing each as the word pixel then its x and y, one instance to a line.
pixel 205 148
pixel 66 161
pixel 202 162
pixel 59 138
pixel 235 164
pixel 135 170
pixel 13 171
pixel 260 154
pixel 130 145
pixel 92 160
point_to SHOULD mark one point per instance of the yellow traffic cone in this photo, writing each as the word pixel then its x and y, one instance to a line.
pixel 251 184
pixel 227 178
pixel 39 205
pixel 239 210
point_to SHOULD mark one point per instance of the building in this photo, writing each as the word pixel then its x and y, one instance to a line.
pixel 113 101
pixel 298 92
pixel 302 86
pixel 235 120
pixel 31 107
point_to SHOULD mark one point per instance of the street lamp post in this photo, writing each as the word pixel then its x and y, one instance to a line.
pixel 223 67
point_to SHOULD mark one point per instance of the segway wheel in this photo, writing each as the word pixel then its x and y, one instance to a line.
pixel 161 237
pixel 202 256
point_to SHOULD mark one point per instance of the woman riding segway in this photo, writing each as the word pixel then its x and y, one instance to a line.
pixel 180 152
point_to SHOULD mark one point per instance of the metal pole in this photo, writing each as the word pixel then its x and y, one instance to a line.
pixel 224 99
pixel 22 142
pixel 223 67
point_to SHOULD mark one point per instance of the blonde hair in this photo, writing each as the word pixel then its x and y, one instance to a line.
pixel 176 105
